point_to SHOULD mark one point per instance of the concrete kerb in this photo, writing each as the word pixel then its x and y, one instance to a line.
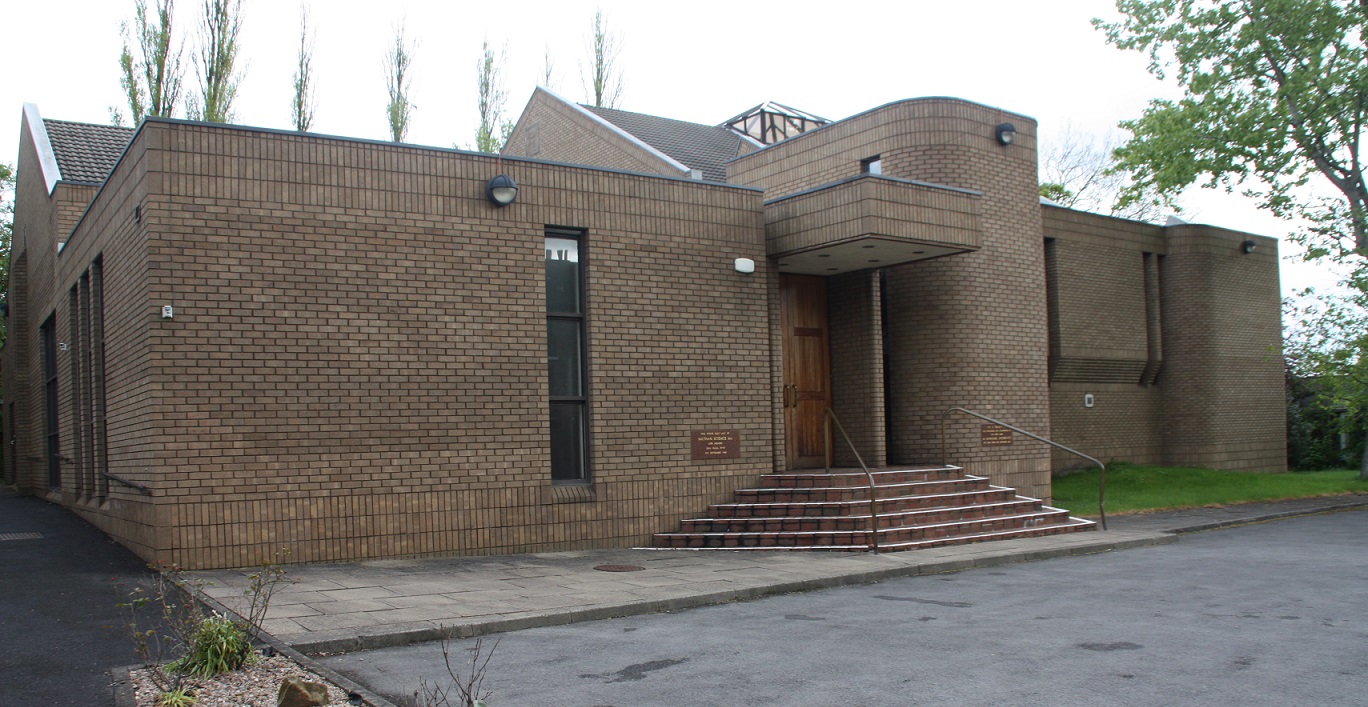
pixel 355 691
pixel 1264 518
pixel 351 641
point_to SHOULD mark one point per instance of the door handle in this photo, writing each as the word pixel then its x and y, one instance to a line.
pixel 786 396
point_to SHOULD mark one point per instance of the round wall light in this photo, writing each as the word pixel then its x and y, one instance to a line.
pixel 1006 133
pixel 501 190
pixel 1248 246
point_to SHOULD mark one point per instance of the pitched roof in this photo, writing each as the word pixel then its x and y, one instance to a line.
pixel 85 152
pixel 706 148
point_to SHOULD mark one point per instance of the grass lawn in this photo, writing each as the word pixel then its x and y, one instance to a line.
pixel 1134 489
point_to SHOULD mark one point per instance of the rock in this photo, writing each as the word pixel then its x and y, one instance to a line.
pixel 295 692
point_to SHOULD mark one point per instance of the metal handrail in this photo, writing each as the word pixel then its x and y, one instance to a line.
pixel 1102 480
pixel 827 419
pixel 131 484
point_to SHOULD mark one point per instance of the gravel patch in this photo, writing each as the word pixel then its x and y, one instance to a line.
pixel 256 685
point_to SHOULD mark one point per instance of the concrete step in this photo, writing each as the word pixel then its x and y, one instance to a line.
pixel 860 521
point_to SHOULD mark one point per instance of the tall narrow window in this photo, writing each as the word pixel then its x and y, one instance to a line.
pixel 74 330
pixel 565 359
pixel 82 350
pixel 100 453
pixel 54 450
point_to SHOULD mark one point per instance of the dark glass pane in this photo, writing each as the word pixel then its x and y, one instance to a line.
pixel 567 441
pixel 563 357
pixel 562 275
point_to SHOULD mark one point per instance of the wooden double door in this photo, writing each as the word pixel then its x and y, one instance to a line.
pixel 807 368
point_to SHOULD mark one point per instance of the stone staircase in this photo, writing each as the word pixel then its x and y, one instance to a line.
pixel 918 507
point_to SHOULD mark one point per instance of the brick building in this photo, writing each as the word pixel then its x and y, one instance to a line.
pixel 224 341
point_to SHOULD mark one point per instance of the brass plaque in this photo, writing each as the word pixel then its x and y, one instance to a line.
pixel 995 436
pixel 716 444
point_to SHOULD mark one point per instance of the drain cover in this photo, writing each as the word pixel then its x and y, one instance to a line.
pixel 21 536
pixel 619 568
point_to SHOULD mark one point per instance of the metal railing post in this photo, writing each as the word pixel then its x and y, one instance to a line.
pixel 1101 481
pixel 828 418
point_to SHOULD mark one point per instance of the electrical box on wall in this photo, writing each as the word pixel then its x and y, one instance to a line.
pixel 1088 400
pixel 168 312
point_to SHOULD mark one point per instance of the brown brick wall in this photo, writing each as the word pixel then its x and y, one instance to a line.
pixel 1222 376
pixel 857 366
pixel 551 130
pixel 357 364
pixel 968 330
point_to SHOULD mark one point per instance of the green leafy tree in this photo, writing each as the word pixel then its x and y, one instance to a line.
pixel 216 61
pixel 150 69
pixel 1275 96
pixel 302 109
pixel 604 78
pixel 398 79
pixel 1329 346
pixel 494 129
pixel 6 235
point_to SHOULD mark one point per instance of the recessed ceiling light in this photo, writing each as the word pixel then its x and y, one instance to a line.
pixel 824 255
pixel 918 252
pixel 874 260
pixel 833 269
pixel 866 246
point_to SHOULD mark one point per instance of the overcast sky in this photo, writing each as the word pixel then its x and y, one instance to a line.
pixel 700 61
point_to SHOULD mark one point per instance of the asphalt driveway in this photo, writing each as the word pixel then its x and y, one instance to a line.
pixel 1268 614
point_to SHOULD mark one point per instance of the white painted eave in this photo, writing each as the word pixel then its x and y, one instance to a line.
pixel 47 159
pixel 619 131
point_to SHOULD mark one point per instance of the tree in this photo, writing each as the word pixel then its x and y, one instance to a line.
pixel 6 235
pixel 151 81
pixel 216 61
pixel 302 109
pixel 1077 172
pixel 548 69
pixel 493 130
pixel 1329 345
pixel 1276 94
pixel 398 77
pixel 604 81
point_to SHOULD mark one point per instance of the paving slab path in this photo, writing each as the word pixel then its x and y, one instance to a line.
pixel 342 607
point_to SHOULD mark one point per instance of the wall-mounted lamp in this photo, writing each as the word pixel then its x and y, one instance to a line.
pixel 1005 133
pixel 745 266
pixel 501 190
pixel 1248 246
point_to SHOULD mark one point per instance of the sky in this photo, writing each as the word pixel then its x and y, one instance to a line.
pixel 701 61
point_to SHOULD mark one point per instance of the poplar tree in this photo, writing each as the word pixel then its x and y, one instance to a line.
pixel 604 80
pixel 216 61
pixel 302 109
pixel 150 69
pixel 493 130
pixel 398 77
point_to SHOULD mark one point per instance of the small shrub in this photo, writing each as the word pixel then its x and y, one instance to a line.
pixel 220 645
pixel 178 697
pixel 465 688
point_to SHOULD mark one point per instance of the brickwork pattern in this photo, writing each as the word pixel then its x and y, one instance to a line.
pixel 911 212
pixel 551 130
pixel 357 366
pixel 968 330
pixel 857 366
pixel 1224 405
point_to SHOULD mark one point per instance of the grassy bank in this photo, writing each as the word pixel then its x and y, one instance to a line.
pixel 1133 489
